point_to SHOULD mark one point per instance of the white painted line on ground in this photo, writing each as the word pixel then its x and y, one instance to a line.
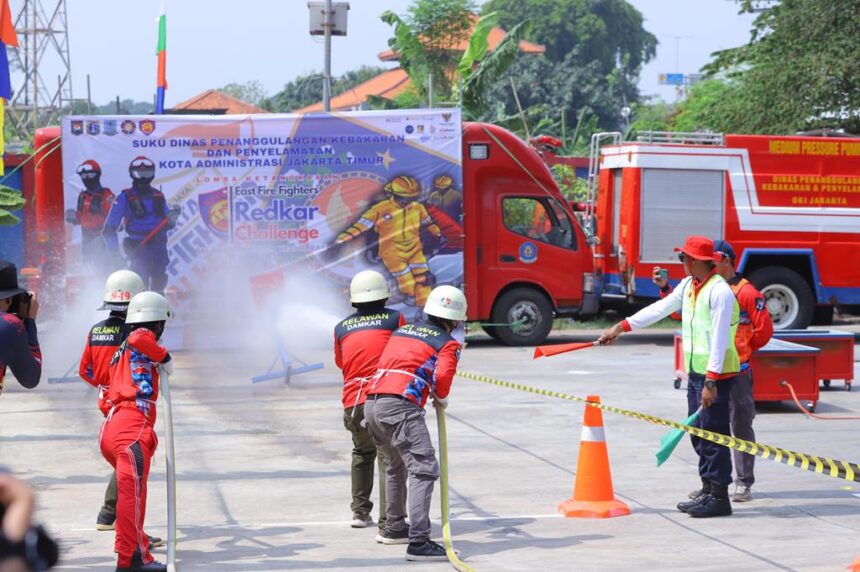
pixel 334 522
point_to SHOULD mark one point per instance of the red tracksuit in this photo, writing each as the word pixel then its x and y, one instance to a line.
pixel 128 438
pixel 418 358
pixel 103 341
pixel 358 342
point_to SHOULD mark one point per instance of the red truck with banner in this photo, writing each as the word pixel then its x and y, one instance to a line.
pixel 790 206
pixel 526 259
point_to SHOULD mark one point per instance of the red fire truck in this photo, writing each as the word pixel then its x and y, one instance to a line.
pixel 790 206
pixel 526 257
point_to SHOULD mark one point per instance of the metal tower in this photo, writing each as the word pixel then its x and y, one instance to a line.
pixel 43 35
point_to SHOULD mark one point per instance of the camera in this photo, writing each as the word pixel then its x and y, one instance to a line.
pixel 21 304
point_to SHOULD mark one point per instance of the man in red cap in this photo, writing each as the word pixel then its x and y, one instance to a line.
pixel 709 319
pixel 755 328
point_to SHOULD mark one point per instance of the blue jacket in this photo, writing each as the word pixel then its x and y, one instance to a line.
pixel 141 211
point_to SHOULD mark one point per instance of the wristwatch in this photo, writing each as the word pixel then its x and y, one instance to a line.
pixel 709 383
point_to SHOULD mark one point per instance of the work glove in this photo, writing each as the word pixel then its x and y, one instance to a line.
pixel 71 216
pixel 167 367
pixel 440 402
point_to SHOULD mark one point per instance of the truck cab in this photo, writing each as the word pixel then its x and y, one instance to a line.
pixel 527 260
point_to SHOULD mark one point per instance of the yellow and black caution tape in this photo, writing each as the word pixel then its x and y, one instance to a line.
pixel 453 558
pixel 819 465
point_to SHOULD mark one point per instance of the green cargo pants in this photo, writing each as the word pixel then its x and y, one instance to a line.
pixel 364 453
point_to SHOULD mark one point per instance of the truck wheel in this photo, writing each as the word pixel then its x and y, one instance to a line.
pixel 530 314
pixel 787 296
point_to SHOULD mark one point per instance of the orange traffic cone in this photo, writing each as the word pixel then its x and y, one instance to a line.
pixel 593 495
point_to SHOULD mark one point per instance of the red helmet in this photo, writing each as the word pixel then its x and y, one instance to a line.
pixel 88 166
pixel 141 168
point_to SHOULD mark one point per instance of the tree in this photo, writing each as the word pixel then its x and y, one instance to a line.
pixel 594 53
pixel 427 38
pixel 251 92
pixel 800 70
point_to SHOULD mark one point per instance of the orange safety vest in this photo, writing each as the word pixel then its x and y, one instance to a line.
pixel 745 330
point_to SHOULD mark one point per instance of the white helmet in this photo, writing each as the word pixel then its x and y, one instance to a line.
pixel 368 286
pixel 120 288
pixel 148 307
pixel 446 302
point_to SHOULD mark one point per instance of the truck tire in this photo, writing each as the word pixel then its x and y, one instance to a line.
pixel 787 295
pixel 527 308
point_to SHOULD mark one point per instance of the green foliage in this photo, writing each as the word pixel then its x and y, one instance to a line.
pixel 473 99
pixel 606 31
pixel 594 53
pixel 799 71
pixel 426 40
pixel 572 188
pixel 10 200
pixel 478 44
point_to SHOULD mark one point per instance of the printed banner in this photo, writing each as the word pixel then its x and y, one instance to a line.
pixel 168 196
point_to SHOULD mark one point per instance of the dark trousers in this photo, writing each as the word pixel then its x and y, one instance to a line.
pixel 149 260
pixel 109 507
pixel 742 413
pixel 715 461
pixel 364 454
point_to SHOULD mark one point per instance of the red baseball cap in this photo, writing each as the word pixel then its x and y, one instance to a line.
pixel 700 248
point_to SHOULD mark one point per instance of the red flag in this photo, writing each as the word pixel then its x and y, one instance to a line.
pixel 555 349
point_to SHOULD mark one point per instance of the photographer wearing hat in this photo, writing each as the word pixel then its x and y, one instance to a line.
pixel 19 345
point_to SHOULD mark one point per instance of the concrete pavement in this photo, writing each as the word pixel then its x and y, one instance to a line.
pixel 263 470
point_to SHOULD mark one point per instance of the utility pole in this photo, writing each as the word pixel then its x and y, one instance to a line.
pixel 327 78
pixel 327 19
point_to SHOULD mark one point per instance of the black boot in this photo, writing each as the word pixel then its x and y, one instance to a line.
pixel 716 503
pixel 687 505
pixel 137 565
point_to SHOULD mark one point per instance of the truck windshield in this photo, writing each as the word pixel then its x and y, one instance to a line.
pixel 540 219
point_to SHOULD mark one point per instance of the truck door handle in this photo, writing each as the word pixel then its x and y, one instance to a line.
pixel 507 258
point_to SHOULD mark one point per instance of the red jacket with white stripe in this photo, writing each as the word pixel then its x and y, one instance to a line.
pixel 134 373
pixel 103 340
pixel 358 343
pixel 418 358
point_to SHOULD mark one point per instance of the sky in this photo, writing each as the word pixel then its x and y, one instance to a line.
pixel 211 44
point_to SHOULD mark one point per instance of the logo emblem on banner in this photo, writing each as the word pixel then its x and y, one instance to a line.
pixel 127 126
pixel 93 127
pixel 214 210
pixel 109 126
pixel 77 127
pixel 147 126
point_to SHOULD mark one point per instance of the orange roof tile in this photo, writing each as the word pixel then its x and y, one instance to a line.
pixel 388 84
pixel 493 39
pixel 214 100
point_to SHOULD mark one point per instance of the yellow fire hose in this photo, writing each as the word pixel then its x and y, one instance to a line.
pixel 446 523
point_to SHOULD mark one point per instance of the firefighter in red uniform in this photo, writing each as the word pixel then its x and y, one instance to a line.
pixel 94 204
pixel 358 342
pixel 419 360
pixel 103 339
pixel 755 328
pixel 127 437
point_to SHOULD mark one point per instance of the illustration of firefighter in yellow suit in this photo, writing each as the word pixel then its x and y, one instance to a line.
pixel 398 221
pixel 446 197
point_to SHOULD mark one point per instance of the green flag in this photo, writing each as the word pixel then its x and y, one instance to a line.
pixel 671 439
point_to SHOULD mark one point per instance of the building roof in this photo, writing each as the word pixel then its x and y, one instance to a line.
pixel 388 84
pixel 215 102
pixel 493 39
